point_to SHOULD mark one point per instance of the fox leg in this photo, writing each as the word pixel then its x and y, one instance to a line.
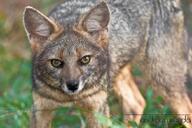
pixel 42 112
pixel 92 105
pixel 41 119
pixel 168 80
pixel 179 102
pixel 128 93
pixel 92 121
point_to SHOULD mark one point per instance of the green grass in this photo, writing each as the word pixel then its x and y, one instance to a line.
pixel 15 91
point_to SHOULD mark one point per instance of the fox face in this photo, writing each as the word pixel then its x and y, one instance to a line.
pixel 70 60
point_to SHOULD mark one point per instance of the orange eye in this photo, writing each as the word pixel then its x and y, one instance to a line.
pixel 85 60
pixel 57 63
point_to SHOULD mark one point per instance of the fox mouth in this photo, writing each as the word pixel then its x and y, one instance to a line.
pixel 72 90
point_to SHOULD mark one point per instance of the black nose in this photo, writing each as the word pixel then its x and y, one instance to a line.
pixel 72 85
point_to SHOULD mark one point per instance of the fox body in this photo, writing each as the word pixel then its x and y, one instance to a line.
pixel 125 39
pixel 81 46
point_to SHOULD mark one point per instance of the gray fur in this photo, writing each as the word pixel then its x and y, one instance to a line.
pixel 137 25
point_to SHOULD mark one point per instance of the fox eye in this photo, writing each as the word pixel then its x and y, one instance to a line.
pixel 57 63
pixel 85 60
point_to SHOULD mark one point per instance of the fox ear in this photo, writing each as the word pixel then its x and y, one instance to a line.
pixel 37 25
pixel 97 18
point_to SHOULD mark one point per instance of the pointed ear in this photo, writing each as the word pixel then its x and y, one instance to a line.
pixel 37 25
pixel 97 18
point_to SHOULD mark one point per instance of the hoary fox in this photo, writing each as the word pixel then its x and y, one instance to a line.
pixel 80 48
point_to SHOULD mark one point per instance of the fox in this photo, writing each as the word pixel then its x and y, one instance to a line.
pixel 82 48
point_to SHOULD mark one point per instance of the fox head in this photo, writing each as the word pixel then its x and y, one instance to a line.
pixel 68 59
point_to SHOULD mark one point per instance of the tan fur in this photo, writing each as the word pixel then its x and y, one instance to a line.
pixel 128 93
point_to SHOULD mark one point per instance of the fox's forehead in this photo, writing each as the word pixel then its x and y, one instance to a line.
pixel 70 39
pixel 73 39
pixel 69 44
